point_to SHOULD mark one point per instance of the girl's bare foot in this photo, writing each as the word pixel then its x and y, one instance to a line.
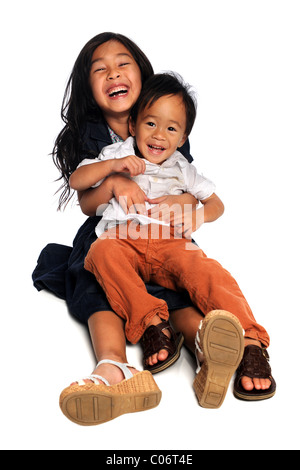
pixel 110 372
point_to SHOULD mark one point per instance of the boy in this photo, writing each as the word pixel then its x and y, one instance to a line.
pixel 134 248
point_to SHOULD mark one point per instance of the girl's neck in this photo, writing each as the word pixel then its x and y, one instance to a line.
pixel 119 125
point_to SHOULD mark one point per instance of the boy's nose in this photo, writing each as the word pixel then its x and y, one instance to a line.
pixel 158 134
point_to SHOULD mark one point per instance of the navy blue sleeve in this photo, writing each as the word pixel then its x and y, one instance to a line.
pixel 185 150
pixel 94 137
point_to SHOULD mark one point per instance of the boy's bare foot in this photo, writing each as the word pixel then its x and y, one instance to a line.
pixel 161 355
pixel 248 383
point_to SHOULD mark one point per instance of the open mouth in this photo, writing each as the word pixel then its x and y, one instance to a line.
pixel 117 92
pixel 156 149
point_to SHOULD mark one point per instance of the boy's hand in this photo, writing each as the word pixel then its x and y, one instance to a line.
pixel 131 164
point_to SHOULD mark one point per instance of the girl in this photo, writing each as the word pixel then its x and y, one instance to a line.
pixel 105 83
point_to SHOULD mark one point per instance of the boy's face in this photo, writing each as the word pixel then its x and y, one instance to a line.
pixel 160 128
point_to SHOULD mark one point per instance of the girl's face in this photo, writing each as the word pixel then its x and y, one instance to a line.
pixel 160 128
pixel 115 79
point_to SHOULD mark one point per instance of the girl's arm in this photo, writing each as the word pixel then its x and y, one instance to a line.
pixel 87 176
pixel 90 199
pixel 130 196
pixel 168 206
pixel 125 190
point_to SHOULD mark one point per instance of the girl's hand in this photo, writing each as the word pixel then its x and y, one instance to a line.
pixel 131 164
pixel 182 213
pixel 129 195
pixel 191 222
pixel 178 211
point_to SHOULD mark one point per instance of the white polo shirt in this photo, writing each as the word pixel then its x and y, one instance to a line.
pixel 172 177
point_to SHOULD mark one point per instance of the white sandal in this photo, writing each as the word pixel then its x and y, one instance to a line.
pixel 221 340
pixel 95 403
pixel 95 378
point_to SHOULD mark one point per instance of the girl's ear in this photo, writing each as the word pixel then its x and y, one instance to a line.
pixel 131 126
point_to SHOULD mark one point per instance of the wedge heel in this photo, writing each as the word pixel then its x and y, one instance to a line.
pixel 222 343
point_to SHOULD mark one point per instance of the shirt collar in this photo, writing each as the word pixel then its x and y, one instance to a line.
pixel 115 138
pixel 176 158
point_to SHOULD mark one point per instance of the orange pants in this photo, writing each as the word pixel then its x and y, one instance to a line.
pixel 122 265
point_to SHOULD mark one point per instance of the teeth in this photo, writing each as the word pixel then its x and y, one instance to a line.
pixel 156 148
pixel 117 90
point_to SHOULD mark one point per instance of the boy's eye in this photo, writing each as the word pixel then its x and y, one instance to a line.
pixel 172 129
pixel 150 124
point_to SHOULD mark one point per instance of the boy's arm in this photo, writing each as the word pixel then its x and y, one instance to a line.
pixel 212 208
pixel 88 175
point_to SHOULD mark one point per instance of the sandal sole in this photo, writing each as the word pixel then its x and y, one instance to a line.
pixel 90 408
pixel 263 396
pixel 222 343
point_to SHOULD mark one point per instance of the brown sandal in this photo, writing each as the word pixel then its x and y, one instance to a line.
pixel 153 340
pixel 255 364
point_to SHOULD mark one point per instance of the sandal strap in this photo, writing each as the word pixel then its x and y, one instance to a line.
pixel 94 378
pixel 255 363
pixel 198 349
pixel 123 366
pixel 153 339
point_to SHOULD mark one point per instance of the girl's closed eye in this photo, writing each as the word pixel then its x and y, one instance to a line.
pixel 98 68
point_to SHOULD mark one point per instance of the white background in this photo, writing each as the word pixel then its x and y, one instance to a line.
pixel 243 59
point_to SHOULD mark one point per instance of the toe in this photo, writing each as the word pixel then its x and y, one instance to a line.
pixel 152 360
pixel 162 355
pixel 247 383
pixel 157 357
pixel 257 384
pixel 265 384
pixel 262 384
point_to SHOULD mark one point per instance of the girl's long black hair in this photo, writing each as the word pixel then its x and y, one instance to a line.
pixel 79 107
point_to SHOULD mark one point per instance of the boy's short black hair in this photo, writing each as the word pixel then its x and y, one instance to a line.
pixel 164 84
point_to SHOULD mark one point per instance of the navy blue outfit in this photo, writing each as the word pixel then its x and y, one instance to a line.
pixel 60 268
